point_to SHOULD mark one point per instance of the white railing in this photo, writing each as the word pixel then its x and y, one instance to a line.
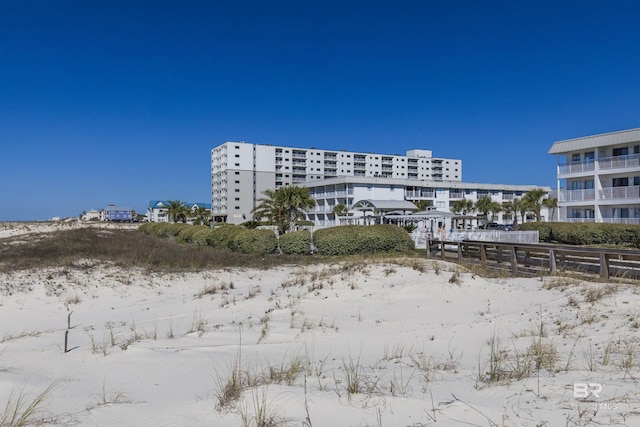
pixel 621 220
pixel 576 167
pixel 420 236
pixel 576 195
pixel 630 192
pixel 619 161
pixel 495 236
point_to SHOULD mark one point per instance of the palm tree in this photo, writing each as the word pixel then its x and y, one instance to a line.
pixel 519 207
pixel 552 204
pixel 422 204
pixel 463 206
pixel 495 209
pixel 284 206
pixel 267 208
pixel 533 200
pixel 484 206
pixel 507 208
pixel 201 214
pixel 340 210
pixel 176 211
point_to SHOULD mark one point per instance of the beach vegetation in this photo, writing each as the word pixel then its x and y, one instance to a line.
pixel 296 242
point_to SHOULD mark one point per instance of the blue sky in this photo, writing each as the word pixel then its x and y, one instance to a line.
pixel 121 102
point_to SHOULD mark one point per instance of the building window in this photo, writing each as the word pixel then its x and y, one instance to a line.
pixel 237 173
pixel 620 151
pixel 237 164
pixel 620 182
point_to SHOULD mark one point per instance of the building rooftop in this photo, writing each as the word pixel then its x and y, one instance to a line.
pixel 594 141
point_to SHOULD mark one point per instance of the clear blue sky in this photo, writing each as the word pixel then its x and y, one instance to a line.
pixel 121 102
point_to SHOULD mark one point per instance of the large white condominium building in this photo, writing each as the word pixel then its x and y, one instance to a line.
pixel 241 172
pixel 599 177
pixel 373 192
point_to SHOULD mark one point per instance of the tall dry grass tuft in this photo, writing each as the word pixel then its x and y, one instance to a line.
pixel 23 410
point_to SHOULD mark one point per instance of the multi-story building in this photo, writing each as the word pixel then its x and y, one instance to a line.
pixel 347 190
pixel 599 177
pixel 241 172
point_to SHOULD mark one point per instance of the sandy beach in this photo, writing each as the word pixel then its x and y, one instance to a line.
pixel 402 342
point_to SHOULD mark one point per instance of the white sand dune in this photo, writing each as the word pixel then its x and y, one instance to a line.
pixel 154 350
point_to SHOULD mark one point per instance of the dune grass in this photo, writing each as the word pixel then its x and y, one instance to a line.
pixel 21 409
pixel 128 248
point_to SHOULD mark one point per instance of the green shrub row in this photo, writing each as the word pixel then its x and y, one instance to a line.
pixel 343 240
pixel 355 239
pixel 571 233
pixel 225 237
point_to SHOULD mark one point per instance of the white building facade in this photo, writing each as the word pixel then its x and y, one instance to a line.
pixel 348 190
pixel 241 172
pixel 599 178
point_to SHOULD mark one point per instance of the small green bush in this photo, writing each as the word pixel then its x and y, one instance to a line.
pixel 164 229
pixel 353 239
pixel 222 237
pixel 175 229
pixel 186 233
pixel 296 242
pixel 255 241
pixel 149 227
pixel 201 235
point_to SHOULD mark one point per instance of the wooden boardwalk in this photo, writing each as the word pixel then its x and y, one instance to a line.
pixel 527 259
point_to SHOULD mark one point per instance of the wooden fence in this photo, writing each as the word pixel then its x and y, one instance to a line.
pixel 527 259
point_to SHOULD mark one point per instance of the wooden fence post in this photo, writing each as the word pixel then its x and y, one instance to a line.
pixel 604 266
pixel 552 262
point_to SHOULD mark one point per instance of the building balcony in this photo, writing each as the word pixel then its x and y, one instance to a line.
pixel 629 192
pixel 417 194
pixel 576 195
pixel 455 195
pixel 580 220
pixel 620 162
pixel 576 168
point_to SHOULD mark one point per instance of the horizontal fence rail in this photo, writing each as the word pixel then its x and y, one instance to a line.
pixel 523 259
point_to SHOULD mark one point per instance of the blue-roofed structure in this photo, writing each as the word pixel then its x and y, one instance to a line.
pixel 118 213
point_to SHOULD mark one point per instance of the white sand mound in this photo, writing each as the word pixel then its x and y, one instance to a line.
pixel 331 345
